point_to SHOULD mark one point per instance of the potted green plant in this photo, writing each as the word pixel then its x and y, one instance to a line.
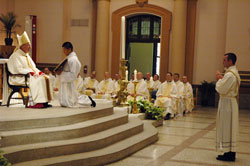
pixel 207 93
pixel 9 23
pixel 3 160
pixel 151 111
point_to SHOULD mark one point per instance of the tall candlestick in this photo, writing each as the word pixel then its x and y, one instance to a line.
pixel 135 75
pixel 126 75
pixel 123 37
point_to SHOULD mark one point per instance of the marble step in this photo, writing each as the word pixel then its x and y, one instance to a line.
pixel 92 142
pixel 102 156
pixel 21 118
pixel 30 136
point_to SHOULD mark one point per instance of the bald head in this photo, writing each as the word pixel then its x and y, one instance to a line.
pixel 139 75
pixel 106 75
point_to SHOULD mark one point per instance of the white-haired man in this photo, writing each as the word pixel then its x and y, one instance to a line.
pixel 39 84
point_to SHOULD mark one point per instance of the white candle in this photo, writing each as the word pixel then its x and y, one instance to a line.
pixel 126 75
pixel 135 75
pixel 123 37
pixel 151 78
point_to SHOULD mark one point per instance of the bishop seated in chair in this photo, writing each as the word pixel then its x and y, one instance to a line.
pixel 39 84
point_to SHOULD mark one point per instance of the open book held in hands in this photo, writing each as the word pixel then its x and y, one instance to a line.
pixel 60 65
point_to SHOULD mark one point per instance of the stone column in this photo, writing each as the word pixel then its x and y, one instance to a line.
pixel 177 57
pixel 102 38
pixel 67 6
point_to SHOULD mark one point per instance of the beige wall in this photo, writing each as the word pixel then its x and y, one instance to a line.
pixel 238 32
pixel 209 39
pixel 81 35
pixel 49 26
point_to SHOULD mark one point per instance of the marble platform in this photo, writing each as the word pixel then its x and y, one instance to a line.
pixel 71 136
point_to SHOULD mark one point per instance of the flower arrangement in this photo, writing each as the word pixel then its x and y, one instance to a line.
pixel 151 111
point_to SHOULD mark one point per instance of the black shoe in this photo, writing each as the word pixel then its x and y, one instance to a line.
pixel 168 116
pixel 47 105
pixel 93 103
pixel 229 156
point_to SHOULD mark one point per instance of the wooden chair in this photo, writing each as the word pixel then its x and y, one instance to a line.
pixel 17 88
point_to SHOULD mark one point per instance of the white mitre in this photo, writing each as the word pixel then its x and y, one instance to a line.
pixel 23 39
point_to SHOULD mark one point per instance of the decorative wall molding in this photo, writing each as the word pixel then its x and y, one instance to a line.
pixel 141 3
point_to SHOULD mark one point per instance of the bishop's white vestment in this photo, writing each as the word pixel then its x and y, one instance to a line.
pixel 40 86
pixel 166 97
pixel 188 97
pixel 227 122
pixel 68 95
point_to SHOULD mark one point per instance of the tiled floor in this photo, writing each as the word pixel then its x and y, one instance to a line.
pixel 190 141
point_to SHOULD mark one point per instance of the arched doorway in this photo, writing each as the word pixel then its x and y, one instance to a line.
pixel 166 17
pixel 143 32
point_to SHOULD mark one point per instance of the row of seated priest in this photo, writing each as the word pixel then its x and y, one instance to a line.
pixel 175 96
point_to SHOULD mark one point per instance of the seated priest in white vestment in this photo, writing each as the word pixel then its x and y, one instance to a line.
pixel 90 84
pixel 39 84
pixel 180 97
pixel 156 85
pixel 149 80
pixel 117 82
pixel 188 95
pixel 105 88
pixel 141 89
pixel 166 97
pixel 68 95
pixel 157 82
pixel 130 86
pixel 79 84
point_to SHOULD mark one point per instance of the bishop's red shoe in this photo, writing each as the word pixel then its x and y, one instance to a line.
pixel 38 105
